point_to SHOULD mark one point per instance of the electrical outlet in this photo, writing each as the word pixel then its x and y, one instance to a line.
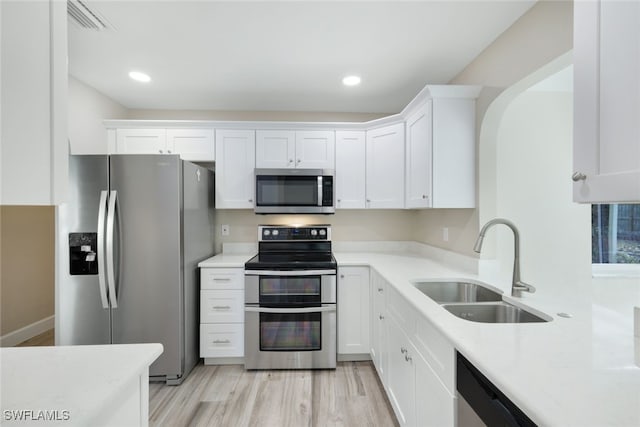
pixel 225 229
pixel 445 234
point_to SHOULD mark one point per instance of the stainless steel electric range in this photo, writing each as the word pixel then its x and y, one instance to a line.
pixel 290 299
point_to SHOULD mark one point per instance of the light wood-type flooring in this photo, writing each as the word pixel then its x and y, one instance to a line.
pixel 229 396
pixel 350 395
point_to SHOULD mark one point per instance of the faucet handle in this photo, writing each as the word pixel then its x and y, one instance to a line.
pixel 519 287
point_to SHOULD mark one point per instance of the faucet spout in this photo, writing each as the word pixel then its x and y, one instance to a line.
pixel 517 285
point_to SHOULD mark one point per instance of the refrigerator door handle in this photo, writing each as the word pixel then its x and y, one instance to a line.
pixel 101 258
pixel 111 276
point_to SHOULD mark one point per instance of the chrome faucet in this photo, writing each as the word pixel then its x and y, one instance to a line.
pixel 517 286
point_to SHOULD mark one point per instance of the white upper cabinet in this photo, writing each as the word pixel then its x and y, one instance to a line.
pixel 606 148
pixel 295 149
pixel 315 149
pixel 275 149
pixel 196 145
pixel 418 161
pixel 191 143
pixel 440 144
pixel 350 170
pixel 141 141
pixel 235 163
pixel 385 167
pixel 33 118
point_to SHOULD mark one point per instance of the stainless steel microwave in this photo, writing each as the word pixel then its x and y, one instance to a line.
pixel 306 191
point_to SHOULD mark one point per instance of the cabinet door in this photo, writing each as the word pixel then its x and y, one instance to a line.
pixel 141 141
pixel 275 149
pixel 315 149
pixel 378 330
pixel 192 144
pixel 435 406
pixel 400 374
pixel 235 160
pixel 385 167
pixel 353 310
pixel 418 158
pixel 350 170
pixel 606 146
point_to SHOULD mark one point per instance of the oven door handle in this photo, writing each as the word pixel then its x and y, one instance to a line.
pixel 290 273
pixel 324 308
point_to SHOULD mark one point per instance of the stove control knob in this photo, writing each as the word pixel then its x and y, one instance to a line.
pixel 275 232
pixel 323 232
pixel 314 232
pixel 266 232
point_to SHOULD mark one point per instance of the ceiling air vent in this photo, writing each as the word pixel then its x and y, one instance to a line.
pixel 85 17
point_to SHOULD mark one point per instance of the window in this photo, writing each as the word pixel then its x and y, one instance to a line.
pixel 615 234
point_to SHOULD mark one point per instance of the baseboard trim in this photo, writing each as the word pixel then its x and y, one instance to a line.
pixel 20 335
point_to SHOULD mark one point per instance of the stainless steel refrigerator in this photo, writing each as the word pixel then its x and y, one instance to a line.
pixel 128 244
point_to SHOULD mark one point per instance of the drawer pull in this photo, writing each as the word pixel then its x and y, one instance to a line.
pixel 407 358
pixel 222 307
pixel 222 341
pixel 403 350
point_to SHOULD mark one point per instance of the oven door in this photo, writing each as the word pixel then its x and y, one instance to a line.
pixel 290 338
pixel 300 287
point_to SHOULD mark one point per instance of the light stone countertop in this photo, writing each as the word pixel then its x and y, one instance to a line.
pixel 87 381
pixel 578 371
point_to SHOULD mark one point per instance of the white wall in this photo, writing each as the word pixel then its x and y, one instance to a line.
pixel 533 169
pixel 87 110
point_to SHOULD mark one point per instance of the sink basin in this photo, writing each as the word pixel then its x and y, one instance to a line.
pixel 457 291
pixel 494 312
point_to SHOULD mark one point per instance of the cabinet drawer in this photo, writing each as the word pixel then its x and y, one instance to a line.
pixel 222 340
pixel 401 310
pixel 221 306
pixel 222 278
pixel 437 351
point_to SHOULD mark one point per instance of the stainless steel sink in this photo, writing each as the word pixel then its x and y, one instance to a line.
pixel 457 291
pixel 493 312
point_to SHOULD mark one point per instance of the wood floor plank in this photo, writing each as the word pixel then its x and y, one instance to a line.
pixel 221 396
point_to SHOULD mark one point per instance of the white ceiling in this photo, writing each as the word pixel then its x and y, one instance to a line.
pixel 282 55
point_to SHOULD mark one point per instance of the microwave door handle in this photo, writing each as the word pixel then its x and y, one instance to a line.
pixel 320 191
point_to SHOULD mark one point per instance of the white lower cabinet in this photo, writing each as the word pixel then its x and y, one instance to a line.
pixel 353 310
pixel 221 314
pixel 378 330
pixel 414 361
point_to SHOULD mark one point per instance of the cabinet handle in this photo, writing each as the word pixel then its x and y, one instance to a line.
pixel 368 200
pixel 380 289
pixel 290 161
pixel 578 176
pixel 342 276
pixel 381 317
pixel 299 161
pixel 339 200
pixel 403 350
pixel 222 341
pixel 222 307
pixel 160 151
pixel 250 200
pixel 222 279
pixel 407 358
pixel 169 151
pixel 424 196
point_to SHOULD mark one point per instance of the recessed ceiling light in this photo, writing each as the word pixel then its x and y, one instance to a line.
pixel 139 77
pixel 351 81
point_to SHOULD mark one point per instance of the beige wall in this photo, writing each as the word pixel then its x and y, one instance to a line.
pixel 87 109
pixel 26 266
pixel 540 36
pixel 293 116
pixel 349 225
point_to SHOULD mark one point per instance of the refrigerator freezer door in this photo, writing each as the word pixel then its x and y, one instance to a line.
pixel 148 261
pixel 80 316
